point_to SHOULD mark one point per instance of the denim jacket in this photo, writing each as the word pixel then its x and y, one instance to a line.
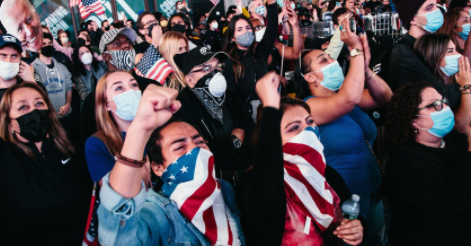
pixel 150 218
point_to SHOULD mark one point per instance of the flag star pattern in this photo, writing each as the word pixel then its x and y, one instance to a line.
pixel 153 66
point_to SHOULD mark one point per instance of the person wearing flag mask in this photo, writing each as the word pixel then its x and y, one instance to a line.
pixel 12 69
pixel 457 25
pixel 21 20
pixel 338 102
pixel 182 159
pixel 87 70
pixel 279 205
pixel 45 186
pixel 223 119
pixel 428 168
pixel 419 17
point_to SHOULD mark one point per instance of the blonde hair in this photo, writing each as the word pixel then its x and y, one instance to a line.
pixel 168 47
pixel 107 129
pixel 55 130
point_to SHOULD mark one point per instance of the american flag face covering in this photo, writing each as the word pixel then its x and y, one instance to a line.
pixel 190 182
pixel 305 184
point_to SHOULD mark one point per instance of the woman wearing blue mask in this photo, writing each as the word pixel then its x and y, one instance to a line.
pixel 117 98
pixel 428 170
pixel 457 25
pixel 440 55
pixel 337 105
pixel 247 60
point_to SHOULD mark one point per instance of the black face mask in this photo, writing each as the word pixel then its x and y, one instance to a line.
pixel 107 28
pixel 306 22
pixel 34 125
pixel 150 28
pixel 179 28
pixel 47 51
pixel 178 58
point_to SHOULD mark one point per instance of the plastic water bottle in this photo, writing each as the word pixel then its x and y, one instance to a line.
pixel 351 208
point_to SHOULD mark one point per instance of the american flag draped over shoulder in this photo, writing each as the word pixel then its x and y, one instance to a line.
pixel 305 182
pixel 91 231
pixel 153 66
pixel 87 7
pixel 190 182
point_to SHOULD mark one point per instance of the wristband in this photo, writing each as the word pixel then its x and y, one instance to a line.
pixel 465 87
pixel 130 162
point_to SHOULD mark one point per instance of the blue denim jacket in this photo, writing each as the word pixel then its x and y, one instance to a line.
pixel 150 218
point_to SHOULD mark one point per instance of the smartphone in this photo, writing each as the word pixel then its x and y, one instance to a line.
pixel 353 26
pixel 27 60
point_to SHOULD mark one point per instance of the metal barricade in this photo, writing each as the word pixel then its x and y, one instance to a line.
pixel 323 29
pixel 384 23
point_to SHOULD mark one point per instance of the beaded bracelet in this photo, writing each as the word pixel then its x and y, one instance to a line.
pixel 130 162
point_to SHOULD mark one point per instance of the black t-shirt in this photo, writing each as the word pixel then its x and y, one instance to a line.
pixel 372 5
pixel 45 200
pixel 141 48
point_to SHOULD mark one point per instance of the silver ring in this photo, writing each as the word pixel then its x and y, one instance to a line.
pixel 344 30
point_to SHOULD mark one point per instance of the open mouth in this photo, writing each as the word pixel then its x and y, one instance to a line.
pixel 31 40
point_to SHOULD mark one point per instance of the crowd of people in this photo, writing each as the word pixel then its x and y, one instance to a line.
pixel 237 129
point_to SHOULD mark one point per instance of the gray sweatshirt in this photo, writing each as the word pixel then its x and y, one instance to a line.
pixel 58 81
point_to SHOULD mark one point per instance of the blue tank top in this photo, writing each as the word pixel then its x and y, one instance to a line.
pixel 347 152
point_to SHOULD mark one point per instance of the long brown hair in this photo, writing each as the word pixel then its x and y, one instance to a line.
pixel 231 47
pixel 168 47
pixel 450 20
pixel 55 130
pixel 432 48
pixel 107 129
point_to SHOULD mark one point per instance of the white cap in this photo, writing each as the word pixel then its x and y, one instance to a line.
pixel 355 198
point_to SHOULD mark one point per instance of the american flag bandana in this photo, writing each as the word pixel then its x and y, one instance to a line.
pixel 87 7
pixel 305 182
pixel 153 66
pixel 190 182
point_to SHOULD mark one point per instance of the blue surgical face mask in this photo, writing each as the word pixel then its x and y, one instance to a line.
pixel 465 33
pixel 333 76
pixel 434 21
pixel 261 10
pixel 452 65
pixel 246 39
pixel 443 122
pixel 127 104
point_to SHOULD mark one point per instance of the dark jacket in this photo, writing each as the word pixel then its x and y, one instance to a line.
pixel 430 193
pixel 218 135
pixel 406 66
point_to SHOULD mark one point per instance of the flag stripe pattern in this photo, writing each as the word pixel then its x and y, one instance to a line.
pixel 197 193
pixel 87 7
pixel 214 2
pixel 153 66
pixel 305 184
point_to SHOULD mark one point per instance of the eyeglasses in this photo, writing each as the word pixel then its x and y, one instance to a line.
pixel 209 69
pixel 151 22
pixel 437 104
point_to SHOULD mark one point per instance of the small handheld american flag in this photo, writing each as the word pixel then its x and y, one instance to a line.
pixel 153 66
pixel 215 2
pixel 87 7
pixel 190 182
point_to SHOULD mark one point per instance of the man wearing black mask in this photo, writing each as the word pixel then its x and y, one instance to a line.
pixel 57 80
pixel 180 23
pixel 145 24
pixel 105 26
pixel 224 122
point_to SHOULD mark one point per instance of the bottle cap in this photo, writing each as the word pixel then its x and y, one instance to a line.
pixel 355 198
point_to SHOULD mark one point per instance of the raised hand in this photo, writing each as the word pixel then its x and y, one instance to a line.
pixel 267 90
pixel 463 76
pixel 348 37
pixel 157 105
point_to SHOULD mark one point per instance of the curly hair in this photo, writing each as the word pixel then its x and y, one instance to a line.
pixel 403 109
